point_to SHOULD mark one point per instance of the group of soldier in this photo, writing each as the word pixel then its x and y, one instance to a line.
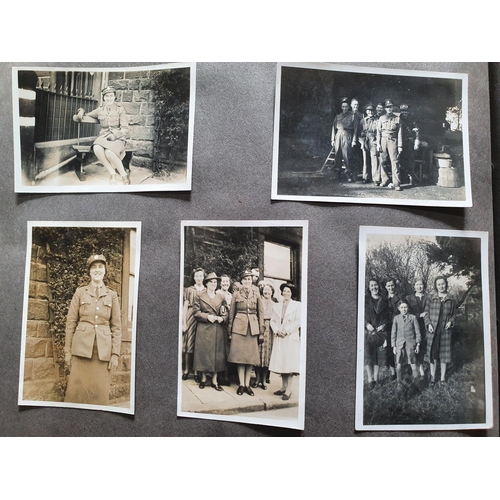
pixel 381 137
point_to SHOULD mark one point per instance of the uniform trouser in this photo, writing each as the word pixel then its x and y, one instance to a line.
pixel 407 157
pixel 390 148
pixel 371 158
pixel 343 143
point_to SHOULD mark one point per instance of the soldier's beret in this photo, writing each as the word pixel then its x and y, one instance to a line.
pixel 96 258
pixel 344 99
pixel 388 103
pixel 246 273
pixel 369 106
pixel 404 107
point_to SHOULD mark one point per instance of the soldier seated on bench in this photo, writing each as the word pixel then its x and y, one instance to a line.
pixel 109 147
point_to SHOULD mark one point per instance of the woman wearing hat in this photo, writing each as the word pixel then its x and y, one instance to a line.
pixel 210 312
pixel 246 330
pixel 109 147
pixel 93 338
pixel 285 324
pixel 189 322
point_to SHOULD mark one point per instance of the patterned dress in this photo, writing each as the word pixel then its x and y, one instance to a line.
pixel 266 347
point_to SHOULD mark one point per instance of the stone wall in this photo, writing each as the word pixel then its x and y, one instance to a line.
pixel 40 371
pixel 133 91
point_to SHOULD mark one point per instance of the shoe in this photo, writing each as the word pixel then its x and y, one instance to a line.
pixel 279 393
pixel 286 397
pixel 126 179
pixel 432 383
pixel 376 183
pixel 249 391
pixel 268 380
pixel 202 385
pixel 217 387
pixel 112 179
pixel 226 382
pixel 384 184
pixel 240 390
pixel 185 376
pixel 397 188
pixel 372 384
pixel 196 378
pixel 393 378
pixel 254 384
pixel 443 383
pixel 263 386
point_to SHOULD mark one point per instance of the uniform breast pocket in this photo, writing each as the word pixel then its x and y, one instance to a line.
pixel 107 305
pixel 84 307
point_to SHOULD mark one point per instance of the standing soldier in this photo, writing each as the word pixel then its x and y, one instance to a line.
pixel 357 152
pixel 390 141
pixel 411 142
pixel 345 132
pixel 369 143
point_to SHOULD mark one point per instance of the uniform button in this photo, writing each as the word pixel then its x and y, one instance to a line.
pixel 96 308
pixel 96 316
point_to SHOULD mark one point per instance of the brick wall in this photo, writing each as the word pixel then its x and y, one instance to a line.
pixel 133 91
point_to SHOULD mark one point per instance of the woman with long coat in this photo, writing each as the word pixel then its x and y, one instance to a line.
pixel 188 321
pixel 210 311
pixel 285 324
pixel 109 146
pixel 439 322
pixel 246 329
pixel 417 303
pixel 377 326
pixel 93 338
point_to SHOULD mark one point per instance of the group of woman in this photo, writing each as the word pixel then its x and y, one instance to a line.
pixel 247 327
pixel 435 316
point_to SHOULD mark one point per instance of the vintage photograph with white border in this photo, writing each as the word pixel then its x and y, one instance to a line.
pixel 242 321
pixel 424 339
pixel 354 134
pixel 80 315
pixel 121 129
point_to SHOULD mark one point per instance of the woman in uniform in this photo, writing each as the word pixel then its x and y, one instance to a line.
pixel 285 324
pixel 93 338
pixel 109 147
pixel 246 329
pixel 210 312
pixel 439 322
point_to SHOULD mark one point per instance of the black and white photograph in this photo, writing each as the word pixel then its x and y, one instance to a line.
pixel 354 134
pixel 424 346
pixel 243 312
pixel 79 315
pixel 103 129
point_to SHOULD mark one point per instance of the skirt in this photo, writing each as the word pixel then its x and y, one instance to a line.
pixel 117 146
pixel 88 381
pixel 266 347
pixel 244 349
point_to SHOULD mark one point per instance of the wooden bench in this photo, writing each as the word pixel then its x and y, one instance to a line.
pixel 83 150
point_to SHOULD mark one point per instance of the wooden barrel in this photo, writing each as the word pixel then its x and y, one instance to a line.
pixel 448 177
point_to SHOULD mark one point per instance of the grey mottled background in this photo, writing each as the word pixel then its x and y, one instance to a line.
pixel 232 157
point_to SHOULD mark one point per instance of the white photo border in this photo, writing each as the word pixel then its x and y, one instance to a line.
pixel 291 424
pixel 21 187
pixel 467 202
pixel 364 232
pixel 74 224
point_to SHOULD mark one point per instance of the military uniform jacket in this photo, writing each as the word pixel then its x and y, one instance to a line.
pixel 346 123
pixel 369 126
pixel 93 318
pixel 389 127
pixel 405 330
pixel 246 311
pixel 113 120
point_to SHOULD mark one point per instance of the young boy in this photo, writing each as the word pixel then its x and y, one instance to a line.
pixel 405 336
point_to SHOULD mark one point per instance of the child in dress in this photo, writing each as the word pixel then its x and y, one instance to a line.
pixel 405 337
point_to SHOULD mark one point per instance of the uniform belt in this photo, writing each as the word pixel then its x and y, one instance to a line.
pixel 388 135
